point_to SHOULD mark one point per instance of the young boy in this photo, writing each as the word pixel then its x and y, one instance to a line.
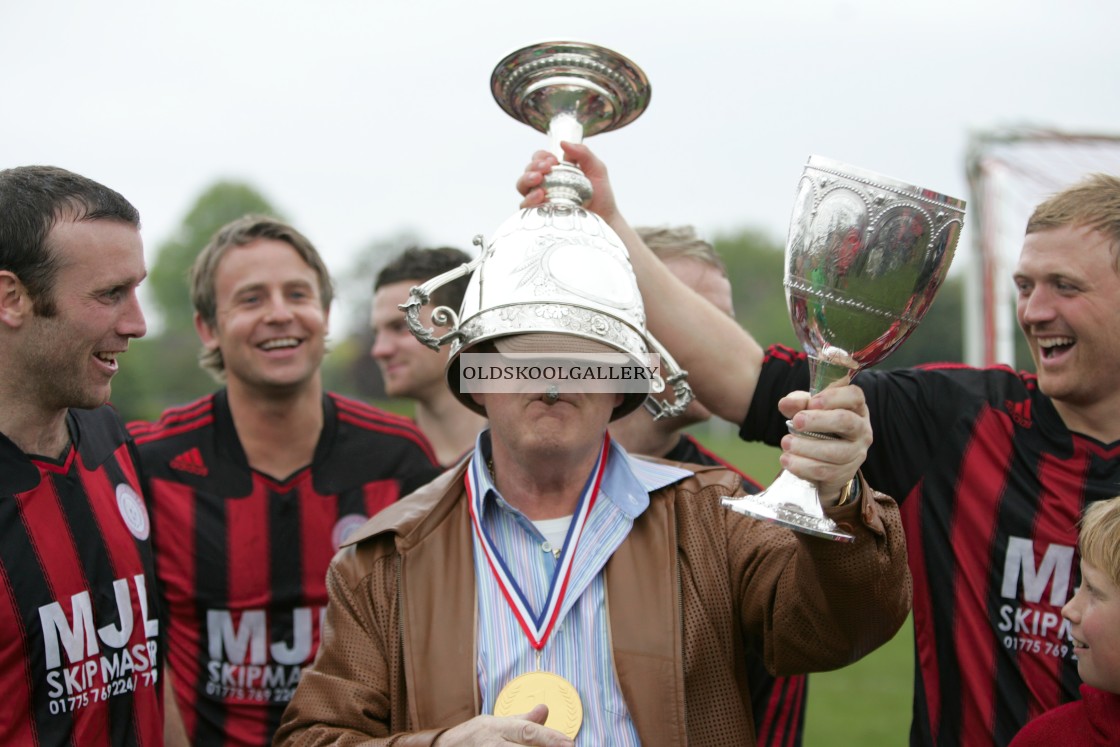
pixel 1094 616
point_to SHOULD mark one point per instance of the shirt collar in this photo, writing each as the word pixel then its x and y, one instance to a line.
pixel 627 482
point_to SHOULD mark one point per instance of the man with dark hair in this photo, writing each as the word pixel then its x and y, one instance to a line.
pixel 255 486
pixel 79 633
pixel 411 369
pixel 993 467
pixel 778 703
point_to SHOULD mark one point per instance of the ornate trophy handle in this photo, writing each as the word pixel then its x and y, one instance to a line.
pixel 677 378
pixel 420 295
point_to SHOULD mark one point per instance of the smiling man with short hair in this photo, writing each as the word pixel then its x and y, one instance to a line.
pixel 255 486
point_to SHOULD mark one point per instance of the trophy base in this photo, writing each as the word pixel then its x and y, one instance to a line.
pixel 793 503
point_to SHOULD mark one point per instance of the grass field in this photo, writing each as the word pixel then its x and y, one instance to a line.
pixel 866 704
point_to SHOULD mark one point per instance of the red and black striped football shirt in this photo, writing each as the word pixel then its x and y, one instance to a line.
pixel 992 485
pixel 79 632
pixel 242 556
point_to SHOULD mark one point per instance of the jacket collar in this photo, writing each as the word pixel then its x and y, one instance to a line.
pixel 421 508
pixel 627 481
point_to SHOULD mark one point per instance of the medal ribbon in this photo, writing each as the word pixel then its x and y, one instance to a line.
pixel 537 628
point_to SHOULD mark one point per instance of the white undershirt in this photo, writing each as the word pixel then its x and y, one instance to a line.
pixel 554 531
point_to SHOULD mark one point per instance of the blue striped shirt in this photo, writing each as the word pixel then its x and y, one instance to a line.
pixel 579 649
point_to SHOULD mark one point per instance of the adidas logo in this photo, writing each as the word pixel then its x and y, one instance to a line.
pixel 190 461
pixel 1020 412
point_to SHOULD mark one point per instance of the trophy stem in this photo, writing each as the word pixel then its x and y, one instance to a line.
pixel 563 127
pixel 566 183
pixel 831 367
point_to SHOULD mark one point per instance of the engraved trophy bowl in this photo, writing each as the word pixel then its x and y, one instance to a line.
pixel 557 267
pixel 865 257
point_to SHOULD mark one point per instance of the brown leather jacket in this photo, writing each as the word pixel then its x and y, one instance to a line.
pixel 691 584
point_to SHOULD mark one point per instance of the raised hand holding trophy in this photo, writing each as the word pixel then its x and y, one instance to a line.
pixel 865 257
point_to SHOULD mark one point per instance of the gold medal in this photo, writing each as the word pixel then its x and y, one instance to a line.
pixel 521 694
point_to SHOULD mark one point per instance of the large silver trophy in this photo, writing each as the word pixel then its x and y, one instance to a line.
pixel 557 267
pixel 865 257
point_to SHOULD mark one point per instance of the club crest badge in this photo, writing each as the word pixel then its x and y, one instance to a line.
pixel 346 526
pixel 133 511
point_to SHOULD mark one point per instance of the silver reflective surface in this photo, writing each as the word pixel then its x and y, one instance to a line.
pixel 597 87
pixel 865 257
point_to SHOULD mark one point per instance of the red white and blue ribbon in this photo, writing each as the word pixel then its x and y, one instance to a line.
pixel 537 627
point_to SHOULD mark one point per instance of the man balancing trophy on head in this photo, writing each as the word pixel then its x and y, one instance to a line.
pixel 555 590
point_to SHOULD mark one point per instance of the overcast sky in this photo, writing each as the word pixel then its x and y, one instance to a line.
pixel 363 119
